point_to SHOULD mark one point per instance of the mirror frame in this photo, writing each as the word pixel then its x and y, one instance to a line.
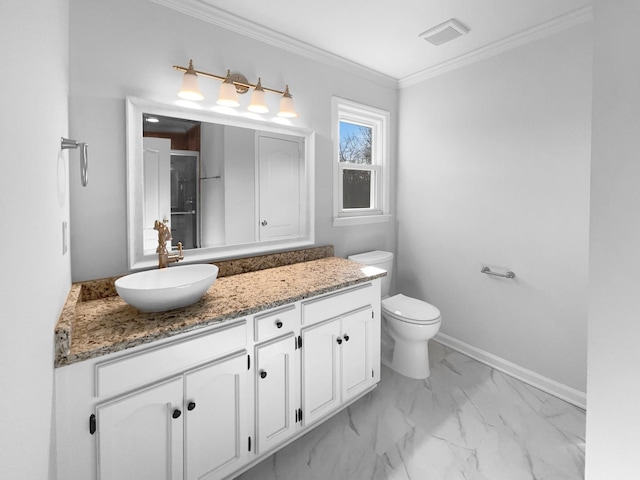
pixel 137 259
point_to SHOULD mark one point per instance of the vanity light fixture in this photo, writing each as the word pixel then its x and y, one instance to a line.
pixel 286 105
pixel 232 85
pixel 190 89
pixel 228 96
pixel 258 104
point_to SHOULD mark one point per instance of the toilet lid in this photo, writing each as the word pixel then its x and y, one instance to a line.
pixel 410 309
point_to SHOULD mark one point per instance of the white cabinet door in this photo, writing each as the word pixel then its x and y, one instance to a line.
pixel 336 362
pixel 277 392
pixel 355 353
pixel 320 368
pixel 140 435
pixel 216 409
pixel 156 154
pixel 280 203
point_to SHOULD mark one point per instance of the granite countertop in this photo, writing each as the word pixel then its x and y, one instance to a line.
pixel 92 327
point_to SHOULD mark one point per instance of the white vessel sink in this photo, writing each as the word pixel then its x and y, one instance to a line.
pixel 166 288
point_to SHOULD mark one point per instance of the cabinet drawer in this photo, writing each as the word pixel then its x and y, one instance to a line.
pixel 337 303
pixel 276 322
pixel 141 368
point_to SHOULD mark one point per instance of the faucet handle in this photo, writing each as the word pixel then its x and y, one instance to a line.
pixel 179 256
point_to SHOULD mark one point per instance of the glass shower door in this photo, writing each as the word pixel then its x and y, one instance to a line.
pixel 185 173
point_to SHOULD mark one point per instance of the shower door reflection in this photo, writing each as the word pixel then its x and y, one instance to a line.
pixel 185 218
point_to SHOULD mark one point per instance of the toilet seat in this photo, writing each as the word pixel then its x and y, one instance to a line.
pixel 410 310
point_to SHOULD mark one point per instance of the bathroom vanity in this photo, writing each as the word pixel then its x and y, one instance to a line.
pixel 209 390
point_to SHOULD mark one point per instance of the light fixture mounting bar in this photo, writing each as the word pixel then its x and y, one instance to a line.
pixel 235 82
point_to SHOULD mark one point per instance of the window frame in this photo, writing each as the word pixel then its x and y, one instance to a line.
pixel 378 120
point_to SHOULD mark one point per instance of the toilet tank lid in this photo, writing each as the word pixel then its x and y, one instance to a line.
pixel 371 258
pixel 410 308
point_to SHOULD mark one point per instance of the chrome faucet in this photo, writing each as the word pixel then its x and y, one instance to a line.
pixel 164 235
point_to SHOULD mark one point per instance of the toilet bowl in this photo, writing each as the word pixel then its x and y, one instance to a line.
pixel 410 322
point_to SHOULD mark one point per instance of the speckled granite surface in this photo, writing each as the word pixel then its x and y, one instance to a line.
pixel 89 328
pixel 105 287
pixel 260 262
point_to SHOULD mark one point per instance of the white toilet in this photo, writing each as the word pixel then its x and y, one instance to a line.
pixel 408 321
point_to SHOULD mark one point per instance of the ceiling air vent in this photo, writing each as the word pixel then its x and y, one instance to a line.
pixel 445 32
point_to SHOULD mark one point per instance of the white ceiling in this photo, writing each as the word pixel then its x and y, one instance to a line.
pixel 383 35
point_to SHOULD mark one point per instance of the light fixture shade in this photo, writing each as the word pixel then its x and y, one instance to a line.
pixel 286 105
pixel 190 89
pixel 258 104
pixel 228 96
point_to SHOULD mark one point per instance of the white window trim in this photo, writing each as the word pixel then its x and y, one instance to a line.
pixel 378 120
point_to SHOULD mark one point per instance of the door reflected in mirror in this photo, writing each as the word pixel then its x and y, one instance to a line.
pixel 226 186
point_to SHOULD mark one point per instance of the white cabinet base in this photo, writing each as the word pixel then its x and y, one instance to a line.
pixel 212 403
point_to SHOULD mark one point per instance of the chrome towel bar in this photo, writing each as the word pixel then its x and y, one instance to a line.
pixel 65 144
pixel 488 271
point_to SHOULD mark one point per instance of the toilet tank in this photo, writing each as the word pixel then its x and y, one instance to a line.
pixel 380 259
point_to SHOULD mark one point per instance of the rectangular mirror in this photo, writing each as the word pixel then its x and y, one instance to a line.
pixel 227 185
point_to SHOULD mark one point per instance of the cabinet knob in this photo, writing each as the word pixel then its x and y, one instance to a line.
pixel 176 413
pixel 191 406
pixel 279 324
pixel 263 374
pixel 264 223
pixel 346 338
pixel 339 340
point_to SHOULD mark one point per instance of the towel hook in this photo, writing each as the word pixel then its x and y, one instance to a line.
pixel 66 143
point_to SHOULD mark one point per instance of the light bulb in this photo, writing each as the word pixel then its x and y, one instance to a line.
pixel 228 96
pixel 286 105
pixel 190 89
pixel 258 104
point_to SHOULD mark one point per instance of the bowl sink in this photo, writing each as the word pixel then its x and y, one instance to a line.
pixel 166 288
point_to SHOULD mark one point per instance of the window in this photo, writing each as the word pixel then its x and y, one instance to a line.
pixel 361 149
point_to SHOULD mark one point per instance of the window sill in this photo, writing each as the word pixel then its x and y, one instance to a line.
pixel 360 220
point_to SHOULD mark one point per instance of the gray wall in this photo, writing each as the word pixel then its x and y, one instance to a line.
pixel 494 170
pixel 121 47
pixel 614 303
pixel 34 202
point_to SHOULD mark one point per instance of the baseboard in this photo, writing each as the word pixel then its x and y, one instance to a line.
pixel 557 389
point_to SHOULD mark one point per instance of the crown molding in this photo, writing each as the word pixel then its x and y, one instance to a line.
pixel 557 24
pixel 221 18
pixel 213 15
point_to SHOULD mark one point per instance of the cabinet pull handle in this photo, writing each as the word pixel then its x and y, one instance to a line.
pixel 92 424
pixel 263 374
pixel 176 413
pixel 339 340
pixel 278 324
pixel 346 338
pixel 191 406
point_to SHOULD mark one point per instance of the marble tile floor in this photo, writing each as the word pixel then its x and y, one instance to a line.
pixel 466 422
